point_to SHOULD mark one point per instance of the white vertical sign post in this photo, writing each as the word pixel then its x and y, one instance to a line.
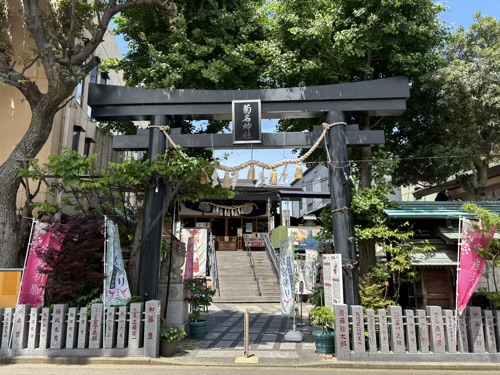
pixel 332 279
pixel 287 283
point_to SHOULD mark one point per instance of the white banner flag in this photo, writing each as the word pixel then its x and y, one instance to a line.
pixel 332 279
pixel 117 289
pixel 287 282
pixel 200 241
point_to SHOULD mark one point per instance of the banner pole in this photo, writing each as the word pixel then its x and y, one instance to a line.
pixel 104 281
pixel 11 336
pixel 33 221
pixel 459 249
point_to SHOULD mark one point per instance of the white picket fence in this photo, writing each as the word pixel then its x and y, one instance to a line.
pixel 416 334
pixel 70 332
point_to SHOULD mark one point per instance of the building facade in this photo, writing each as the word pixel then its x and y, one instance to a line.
pixel 72 127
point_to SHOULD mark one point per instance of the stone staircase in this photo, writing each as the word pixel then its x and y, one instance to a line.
pixel 236 278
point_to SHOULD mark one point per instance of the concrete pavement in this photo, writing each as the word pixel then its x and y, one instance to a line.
pixel 224 342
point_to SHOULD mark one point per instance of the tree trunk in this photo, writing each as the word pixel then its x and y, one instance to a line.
pixel 477 182
pixel 481 183
pixel 9 224
pixel 42 116
pixel 367 256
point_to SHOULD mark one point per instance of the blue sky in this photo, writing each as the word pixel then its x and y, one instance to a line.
pixel 459 13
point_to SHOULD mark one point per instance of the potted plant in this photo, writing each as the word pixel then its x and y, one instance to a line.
pixel 324 338
pixel 169 337
pixel 199 298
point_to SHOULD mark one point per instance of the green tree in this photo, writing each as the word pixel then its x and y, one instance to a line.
pixel 371 225
pixel 118 191
pixel 457 127
pixel 332 41
pixel 64 36
pixel 208 45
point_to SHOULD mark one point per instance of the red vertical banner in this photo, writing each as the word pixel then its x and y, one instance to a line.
pixel 188 271
pixel 471 263
pixel 45 238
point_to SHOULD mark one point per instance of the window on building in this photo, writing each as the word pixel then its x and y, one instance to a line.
pixel 77 129
pixel 76 140
pixel 88 142
pixel 94 74
pixel 80 91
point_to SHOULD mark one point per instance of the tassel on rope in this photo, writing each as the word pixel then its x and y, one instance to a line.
pixel 274 178
pixel 298 172
pixel 261 180
pixel 227 181
pixel 284 175
pixel 215 178
pixel 234 180
pixel 204 178
pixel 251 173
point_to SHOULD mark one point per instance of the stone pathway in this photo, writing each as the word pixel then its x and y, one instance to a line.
pixel 267 331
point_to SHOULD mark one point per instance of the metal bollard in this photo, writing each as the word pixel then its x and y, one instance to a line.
pixel 246 336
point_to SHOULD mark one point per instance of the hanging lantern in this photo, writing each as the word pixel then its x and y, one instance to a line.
pixel 251 173
pixel 274 178
pixel 227 181
pixel 298 172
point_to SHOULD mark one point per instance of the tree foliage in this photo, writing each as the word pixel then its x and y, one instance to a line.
pixel 325 42
pixel 61 37
pixel 457 127
pixel 371 224
pixel 336 41
pixel 118 191
pixel 208 45
pixel 75 274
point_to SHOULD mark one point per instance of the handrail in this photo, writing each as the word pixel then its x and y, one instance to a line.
pixel 214 267
pixel 252 264
pixel 272 255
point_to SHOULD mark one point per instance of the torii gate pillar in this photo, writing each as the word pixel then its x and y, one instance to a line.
pixel 343 227
pixel 152 228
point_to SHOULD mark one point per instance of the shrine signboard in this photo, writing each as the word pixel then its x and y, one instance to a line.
pixel 246 121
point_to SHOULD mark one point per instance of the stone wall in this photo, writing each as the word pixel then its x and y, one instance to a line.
pixel 71 332
pixel 421 335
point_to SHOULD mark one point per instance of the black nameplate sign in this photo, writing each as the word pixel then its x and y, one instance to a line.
pixel 246 121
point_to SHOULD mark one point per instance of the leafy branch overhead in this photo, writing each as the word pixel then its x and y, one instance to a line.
pixel 65 37
pixel 93 189
pixel 46 49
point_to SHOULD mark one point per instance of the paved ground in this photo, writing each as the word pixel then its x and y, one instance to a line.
pixel 105 369
pixel 224 342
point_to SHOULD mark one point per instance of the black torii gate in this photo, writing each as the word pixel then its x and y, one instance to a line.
pixel 382 97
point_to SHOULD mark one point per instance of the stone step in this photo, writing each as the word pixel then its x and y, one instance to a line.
pixel 256 299
pixel 236 278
